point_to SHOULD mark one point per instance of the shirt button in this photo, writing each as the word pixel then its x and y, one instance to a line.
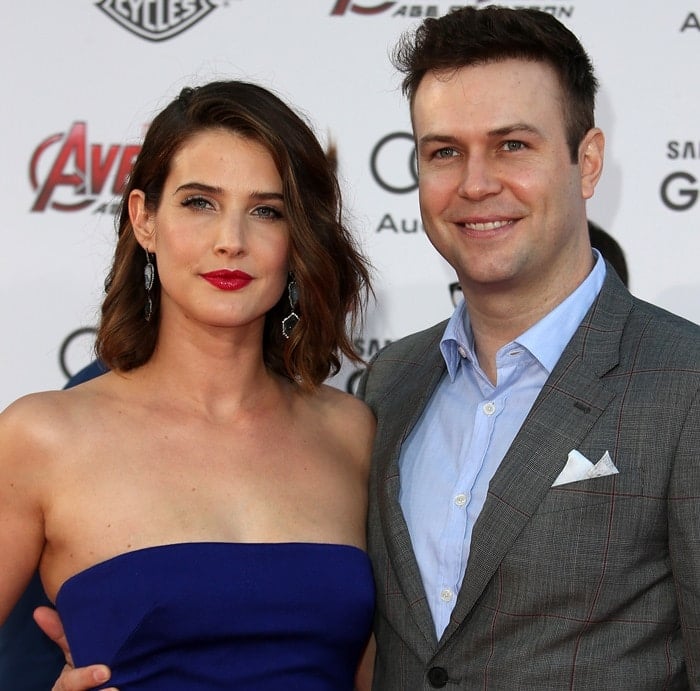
pixel 460 499
pixel 462 351
pixel 489 408
pixel 445 594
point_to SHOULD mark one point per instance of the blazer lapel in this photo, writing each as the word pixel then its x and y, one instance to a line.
pixel 569 404
pixel 413 386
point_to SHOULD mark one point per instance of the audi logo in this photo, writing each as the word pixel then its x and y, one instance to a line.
pixel 76 350
pixel 393 163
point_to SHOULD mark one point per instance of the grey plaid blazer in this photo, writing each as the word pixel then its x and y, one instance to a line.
pixel 589 585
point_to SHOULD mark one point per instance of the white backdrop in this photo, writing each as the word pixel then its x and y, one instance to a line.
pixel 83 78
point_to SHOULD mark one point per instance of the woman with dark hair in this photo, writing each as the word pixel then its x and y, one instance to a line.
pixel 198 512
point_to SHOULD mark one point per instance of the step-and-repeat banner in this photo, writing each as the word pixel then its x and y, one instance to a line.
pixel 83 78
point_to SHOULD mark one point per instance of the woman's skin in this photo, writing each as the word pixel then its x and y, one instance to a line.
pixel 106 467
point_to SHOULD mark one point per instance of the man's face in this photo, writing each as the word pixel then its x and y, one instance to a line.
pixel 500 197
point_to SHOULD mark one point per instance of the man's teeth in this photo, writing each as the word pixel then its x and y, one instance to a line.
pixel 491 225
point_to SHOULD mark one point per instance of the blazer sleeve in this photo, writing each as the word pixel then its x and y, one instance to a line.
pixel 684 536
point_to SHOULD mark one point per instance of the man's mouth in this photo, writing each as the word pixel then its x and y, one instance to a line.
pixel 487 225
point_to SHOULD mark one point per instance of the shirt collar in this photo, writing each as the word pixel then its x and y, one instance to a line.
pixel 545 340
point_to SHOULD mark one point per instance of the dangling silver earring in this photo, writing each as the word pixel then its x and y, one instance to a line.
pixel 149 276
pixel 291 320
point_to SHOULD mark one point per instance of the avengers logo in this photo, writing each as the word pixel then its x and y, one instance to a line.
pixel 66 166
pixel 156 20
pixel 393 163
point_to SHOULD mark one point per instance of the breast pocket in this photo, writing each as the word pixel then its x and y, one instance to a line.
pixel 626 484
pixel 583 529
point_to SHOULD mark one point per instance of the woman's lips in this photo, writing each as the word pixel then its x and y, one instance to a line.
pixel 225 279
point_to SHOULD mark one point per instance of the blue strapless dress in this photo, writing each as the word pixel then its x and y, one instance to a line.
pixel 213 616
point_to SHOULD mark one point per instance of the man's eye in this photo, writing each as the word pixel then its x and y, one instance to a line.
pixel 513 145
pixel 445 152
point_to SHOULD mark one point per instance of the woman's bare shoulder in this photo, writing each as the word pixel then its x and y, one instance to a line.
pixel 345 405
pixel 347 419
pixel 33 408
pixel 48 417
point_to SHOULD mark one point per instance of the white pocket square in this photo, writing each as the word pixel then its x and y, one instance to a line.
pixel 578 467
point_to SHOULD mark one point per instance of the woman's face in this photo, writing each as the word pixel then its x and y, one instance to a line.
pixel 220 233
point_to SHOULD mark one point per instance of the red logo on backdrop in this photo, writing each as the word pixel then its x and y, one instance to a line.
pixel 78 169
pixel 343 6
pixel 156 20
pixel 427 8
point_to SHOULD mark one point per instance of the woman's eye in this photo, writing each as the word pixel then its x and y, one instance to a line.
pixel 196 203
pixel 267 212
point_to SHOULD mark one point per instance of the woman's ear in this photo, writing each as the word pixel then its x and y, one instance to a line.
pixel 142 220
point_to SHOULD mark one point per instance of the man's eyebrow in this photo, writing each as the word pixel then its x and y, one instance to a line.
pixel 437 139
pixel 515 127
pixel 505 130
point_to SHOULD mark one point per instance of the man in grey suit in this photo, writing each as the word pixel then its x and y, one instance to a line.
pixel 535 498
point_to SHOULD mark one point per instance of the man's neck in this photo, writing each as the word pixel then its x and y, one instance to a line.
pixel 497 317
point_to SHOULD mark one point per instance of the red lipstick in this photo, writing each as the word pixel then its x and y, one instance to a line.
pixel 225 279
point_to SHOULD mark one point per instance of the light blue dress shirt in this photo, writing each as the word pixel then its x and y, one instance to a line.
pixel 450 456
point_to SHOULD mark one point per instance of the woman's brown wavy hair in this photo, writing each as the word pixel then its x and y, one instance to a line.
pixel 331 274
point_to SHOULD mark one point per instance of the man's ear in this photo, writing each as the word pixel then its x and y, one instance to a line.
pixel 142 221
pixel 591 152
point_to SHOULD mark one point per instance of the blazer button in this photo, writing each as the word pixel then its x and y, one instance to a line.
pixel 437 676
